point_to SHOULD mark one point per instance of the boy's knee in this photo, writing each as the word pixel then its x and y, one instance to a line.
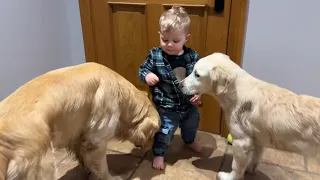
pixel 193 119
pixel 195 114
pixel 190 125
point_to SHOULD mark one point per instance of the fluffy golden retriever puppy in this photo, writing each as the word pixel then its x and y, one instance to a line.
pixel 259 114
pixel 78 107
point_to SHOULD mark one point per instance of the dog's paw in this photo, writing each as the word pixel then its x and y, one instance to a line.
pixel 224 176
pixel 117 178
pixel 252 169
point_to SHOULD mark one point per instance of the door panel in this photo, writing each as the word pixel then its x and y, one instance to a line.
pixel 129 29
pixel 124 31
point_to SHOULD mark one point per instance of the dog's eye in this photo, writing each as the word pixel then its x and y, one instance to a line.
pixel 196 74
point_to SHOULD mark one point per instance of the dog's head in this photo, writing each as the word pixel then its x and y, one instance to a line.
pixel 211 75
pixel 146 125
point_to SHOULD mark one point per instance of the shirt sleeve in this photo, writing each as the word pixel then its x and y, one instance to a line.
pixel 146 67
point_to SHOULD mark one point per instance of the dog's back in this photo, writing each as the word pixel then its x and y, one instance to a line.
pixel 38 112
pixel 279 118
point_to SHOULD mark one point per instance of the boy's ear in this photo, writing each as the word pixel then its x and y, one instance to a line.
pixel 187 37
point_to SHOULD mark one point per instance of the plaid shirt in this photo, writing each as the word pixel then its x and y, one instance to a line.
pixel 166 93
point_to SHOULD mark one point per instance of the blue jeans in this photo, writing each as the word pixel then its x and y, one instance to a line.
pixel 188 121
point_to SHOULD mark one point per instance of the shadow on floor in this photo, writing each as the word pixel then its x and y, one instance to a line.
pixel 117 168
pixel 76 173
pixel 125 165
pixel 119 165
pixel 227 167
pixel 178 151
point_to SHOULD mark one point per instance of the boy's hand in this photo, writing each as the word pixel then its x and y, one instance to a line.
pixel 151 79
pixel 196 100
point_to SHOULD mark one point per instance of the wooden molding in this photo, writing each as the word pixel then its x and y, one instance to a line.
pixel 87 30
pixel 237 27
pixel 236 38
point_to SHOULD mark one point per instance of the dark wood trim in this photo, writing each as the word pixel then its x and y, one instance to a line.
pixel 236 38
pixel 237 28
pixel 87 30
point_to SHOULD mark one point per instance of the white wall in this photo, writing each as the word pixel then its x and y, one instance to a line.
pixel 37 36
pixel 283 43
pixel 281 46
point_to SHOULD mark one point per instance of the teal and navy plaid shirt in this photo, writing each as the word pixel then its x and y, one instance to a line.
pixel 166 93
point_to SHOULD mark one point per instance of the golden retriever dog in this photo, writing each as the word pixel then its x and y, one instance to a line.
pixel 258 114
pixel 80 108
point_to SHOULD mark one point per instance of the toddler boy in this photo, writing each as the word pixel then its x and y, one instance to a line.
pixel 163 69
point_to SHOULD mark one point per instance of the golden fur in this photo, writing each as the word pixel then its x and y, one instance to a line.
pixel 78 107
pixel 259 114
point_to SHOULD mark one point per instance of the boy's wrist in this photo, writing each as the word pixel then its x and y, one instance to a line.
pixel 143 75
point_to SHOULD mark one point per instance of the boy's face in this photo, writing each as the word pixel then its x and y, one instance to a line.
pixel 172 42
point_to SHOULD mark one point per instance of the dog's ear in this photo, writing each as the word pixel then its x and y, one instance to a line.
pixel 221 78
pixel 145 131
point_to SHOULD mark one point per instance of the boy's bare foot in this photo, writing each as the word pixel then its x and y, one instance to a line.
pixel 195 146
pixel 158 162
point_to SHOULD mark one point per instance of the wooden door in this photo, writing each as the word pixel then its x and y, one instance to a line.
pixel 119 34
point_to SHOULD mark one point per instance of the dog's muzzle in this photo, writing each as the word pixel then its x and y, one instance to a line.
pixel 181 85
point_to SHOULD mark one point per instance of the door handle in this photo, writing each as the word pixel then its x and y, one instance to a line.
pixel 219 6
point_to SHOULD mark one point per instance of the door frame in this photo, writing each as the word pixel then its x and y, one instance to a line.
pixel 236 36
pixel 236 39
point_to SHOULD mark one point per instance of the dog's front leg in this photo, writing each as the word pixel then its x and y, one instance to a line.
pixel 95 161
pixel 256 156
pixel 242 156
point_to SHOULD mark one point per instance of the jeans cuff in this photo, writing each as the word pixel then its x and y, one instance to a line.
pixel 158 153
pixel 189 141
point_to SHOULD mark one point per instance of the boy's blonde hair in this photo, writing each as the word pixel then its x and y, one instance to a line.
pixel 174 19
